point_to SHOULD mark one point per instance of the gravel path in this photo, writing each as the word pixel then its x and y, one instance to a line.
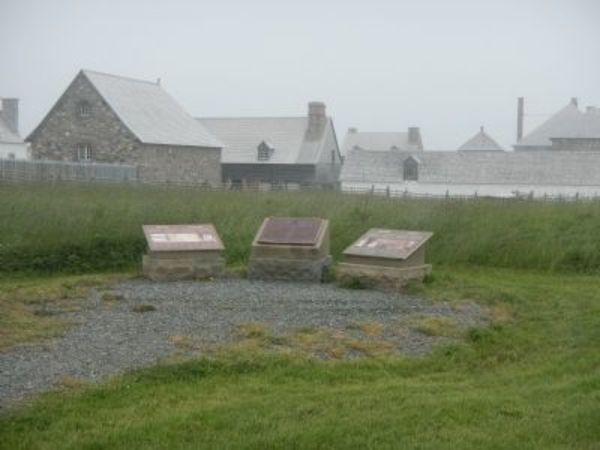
pixel 111 337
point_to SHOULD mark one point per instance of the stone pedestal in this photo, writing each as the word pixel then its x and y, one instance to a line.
pixel 291 249
pixel 384 259
pixel 182 252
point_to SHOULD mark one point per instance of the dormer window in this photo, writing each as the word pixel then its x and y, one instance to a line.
pixel 84 108
pixel 265 150
pixel 411 169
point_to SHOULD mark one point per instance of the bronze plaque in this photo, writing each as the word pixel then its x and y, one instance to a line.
pixel 395 244
pixel 290 231
pixel 176 238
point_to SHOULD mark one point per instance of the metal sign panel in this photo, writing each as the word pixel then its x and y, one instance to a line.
pixel 290 231
pixel 394 244
pixel 176 238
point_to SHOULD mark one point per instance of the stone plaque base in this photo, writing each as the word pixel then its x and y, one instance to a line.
pixel 160 268
pixel 379 277
pixel 281 269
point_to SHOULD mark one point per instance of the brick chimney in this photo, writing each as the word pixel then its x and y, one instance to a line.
pixel 10 113
pixel 414 138
pixel 317 120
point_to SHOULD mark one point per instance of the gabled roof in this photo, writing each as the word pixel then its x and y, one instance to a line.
pixel 563 123
pixel 587 126
pixel 149 112
pixel 376 141
pixel 567 168
pixel 481 142
pixel 286 135
pixel 152 115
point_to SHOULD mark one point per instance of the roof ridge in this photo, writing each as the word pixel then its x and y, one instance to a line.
pixel 121 77
pixel 249 117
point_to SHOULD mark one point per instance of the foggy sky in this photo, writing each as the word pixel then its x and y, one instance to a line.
pixel 446 66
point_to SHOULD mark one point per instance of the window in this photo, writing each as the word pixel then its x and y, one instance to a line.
pixel 84 152
pixel 84 108
pixel 11 156
pixel 411 169
pixel 265 150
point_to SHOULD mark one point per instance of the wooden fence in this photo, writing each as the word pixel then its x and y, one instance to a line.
pixel 18 171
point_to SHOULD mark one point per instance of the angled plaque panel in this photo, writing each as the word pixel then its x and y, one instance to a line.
pixel 290 231
pixel 178 238
pixel 393 244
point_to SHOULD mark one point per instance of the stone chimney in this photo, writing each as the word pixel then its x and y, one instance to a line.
pixel 414 138
pixel 10 113
pixel 317 120
pixel 520 117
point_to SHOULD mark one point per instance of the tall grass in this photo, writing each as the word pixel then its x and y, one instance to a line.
pixel 91 227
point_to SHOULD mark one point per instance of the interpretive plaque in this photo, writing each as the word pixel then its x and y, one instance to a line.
pixel 169 238
pixel 179 252
pixel 386 259
pixel 290 231
pixel 291 248
pixel 394 244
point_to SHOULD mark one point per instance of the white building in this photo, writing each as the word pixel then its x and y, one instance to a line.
pixel 12 145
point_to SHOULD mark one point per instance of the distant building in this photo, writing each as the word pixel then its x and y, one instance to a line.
pixel 568 129
pixel 113 119
pixel 279 150
pixel 486 173
pixel 12 145
pixel 383 141
pixel 481 142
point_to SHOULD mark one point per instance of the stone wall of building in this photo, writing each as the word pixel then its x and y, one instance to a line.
pixel 64 128
pixel 180 164
pixel 576 144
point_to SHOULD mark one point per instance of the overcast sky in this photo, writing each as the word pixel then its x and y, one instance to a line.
pixel 445 66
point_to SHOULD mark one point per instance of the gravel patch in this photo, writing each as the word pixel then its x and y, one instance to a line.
pixel 134 325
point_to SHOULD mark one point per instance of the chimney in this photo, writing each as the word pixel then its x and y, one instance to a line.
pixel 520 116
pixel 316 120
pixel 10 113
pixel 574 101
pixel 414 137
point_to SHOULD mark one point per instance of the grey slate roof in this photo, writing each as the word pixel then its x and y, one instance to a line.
pixel 149 112
pixel 242 135
pixel 481 142
pixel 450 167
pixel 569 122
pixel 376 141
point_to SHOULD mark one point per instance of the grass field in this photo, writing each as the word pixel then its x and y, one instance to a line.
pixel 91 228
pixel 530 381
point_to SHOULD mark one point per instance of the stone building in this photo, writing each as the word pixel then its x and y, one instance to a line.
pixel 12 145
pixel 383 141
pixel 113 119
pixel 568 129
pixel 560 157
pixel 279 150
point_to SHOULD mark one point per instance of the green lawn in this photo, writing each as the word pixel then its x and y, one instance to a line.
pixel 532 381
pixel 98 228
